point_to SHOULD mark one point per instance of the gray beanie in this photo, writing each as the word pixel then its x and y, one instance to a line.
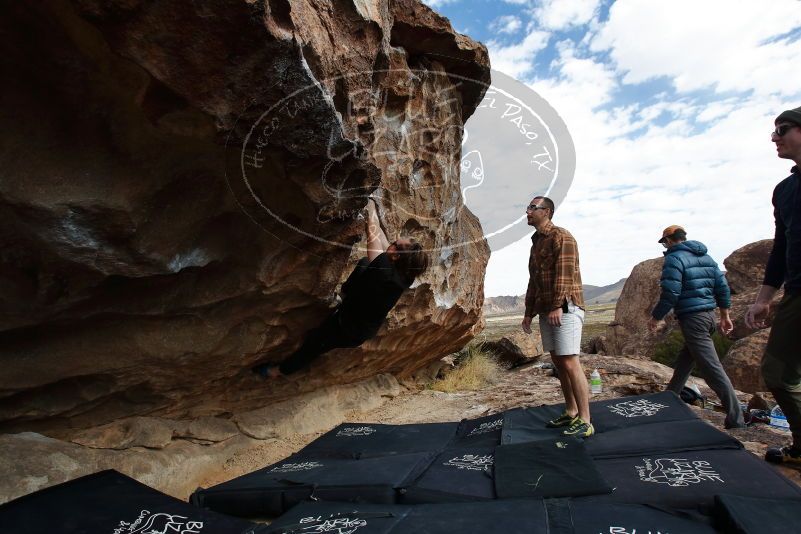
pixel 791 115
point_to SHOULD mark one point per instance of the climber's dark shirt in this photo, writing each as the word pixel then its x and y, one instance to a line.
pixel 369 294
pixel 784 263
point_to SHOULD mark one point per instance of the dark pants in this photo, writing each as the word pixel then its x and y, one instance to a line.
pixel 699 350
pixel 330 335
pixel 781 364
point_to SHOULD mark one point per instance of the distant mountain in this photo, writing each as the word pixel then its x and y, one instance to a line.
pixel 504 304
pixel 603 294
pixel 592 295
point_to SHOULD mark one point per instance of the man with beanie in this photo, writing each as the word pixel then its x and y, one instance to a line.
pixel 781 363
pixel 693 286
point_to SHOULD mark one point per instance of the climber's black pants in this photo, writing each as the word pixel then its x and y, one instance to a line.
pixel 328 336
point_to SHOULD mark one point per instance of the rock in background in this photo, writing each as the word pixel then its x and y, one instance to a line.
pixel 745 270
pixel 515 349
pixel 160 233
pixel 743 362
pixel 628 334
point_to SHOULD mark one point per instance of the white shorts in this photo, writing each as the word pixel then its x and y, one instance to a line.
pixel 563 340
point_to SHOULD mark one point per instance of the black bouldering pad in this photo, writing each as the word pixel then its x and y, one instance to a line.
pixel 339 518
pixel 463 474
pixel 659 438
pixel 687 480
pixel 365 440
pixel 754 515
pixel 594 518
pixel 481 431
pixel 553 468
pixel 502 517
pixel 626 412
pixel 272 490
pixel 528 424
pixel 109 502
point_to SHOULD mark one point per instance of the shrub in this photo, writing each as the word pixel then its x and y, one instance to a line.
pixel 476 367
pixel 668 350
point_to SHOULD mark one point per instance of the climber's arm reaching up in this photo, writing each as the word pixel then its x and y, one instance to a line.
pixel 377 242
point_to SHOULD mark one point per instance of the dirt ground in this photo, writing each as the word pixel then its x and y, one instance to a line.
pixel 526 386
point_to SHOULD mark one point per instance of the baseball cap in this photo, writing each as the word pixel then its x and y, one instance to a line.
pixel 670 230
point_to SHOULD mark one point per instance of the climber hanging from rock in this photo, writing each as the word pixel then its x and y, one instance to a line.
pixel 368 295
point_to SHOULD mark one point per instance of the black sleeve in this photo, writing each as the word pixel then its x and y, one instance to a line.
pixel 777 262
pixel 355 275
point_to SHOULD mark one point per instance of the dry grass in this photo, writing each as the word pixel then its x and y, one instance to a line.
pixel 475 369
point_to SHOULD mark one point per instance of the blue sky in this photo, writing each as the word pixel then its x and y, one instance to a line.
pixel 669 105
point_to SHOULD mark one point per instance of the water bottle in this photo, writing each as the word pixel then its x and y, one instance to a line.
pixel 595 382
pixel 777 418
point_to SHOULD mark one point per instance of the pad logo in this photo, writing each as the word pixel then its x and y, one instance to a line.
pixel 472 462
pixel 353 431
pixel 294 468
pixel 334 525
pixel 159 523
pixel 638 408
pixel 677 472
pixel 624 530
pixel 483 428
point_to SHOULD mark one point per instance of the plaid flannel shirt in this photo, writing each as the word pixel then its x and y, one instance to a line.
pixel 554 274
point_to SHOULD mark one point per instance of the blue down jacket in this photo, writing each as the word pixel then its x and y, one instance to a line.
pixel 691 281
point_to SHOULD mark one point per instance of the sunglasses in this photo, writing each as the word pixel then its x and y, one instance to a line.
pixel 534 207
pixel 782 129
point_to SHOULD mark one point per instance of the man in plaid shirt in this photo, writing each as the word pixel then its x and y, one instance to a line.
pixel 556 295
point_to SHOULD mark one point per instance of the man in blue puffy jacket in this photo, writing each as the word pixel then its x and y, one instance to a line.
pixel 693 286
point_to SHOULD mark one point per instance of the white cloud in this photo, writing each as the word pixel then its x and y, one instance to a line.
pixel 727 45
pixel 582 81
pixel 562 14
pixel 517 60
pixel 506 24
pixel 438 3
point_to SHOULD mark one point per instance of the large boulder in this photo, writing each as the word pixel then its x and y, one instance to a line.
pixel 745 267
pixel 515 348
pixel 181 193
pixel 743 362
pixel 745 270
pixel 628 333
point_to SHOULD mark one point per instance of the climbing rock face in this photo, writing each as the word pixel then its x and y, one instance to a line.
pixel 182 190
